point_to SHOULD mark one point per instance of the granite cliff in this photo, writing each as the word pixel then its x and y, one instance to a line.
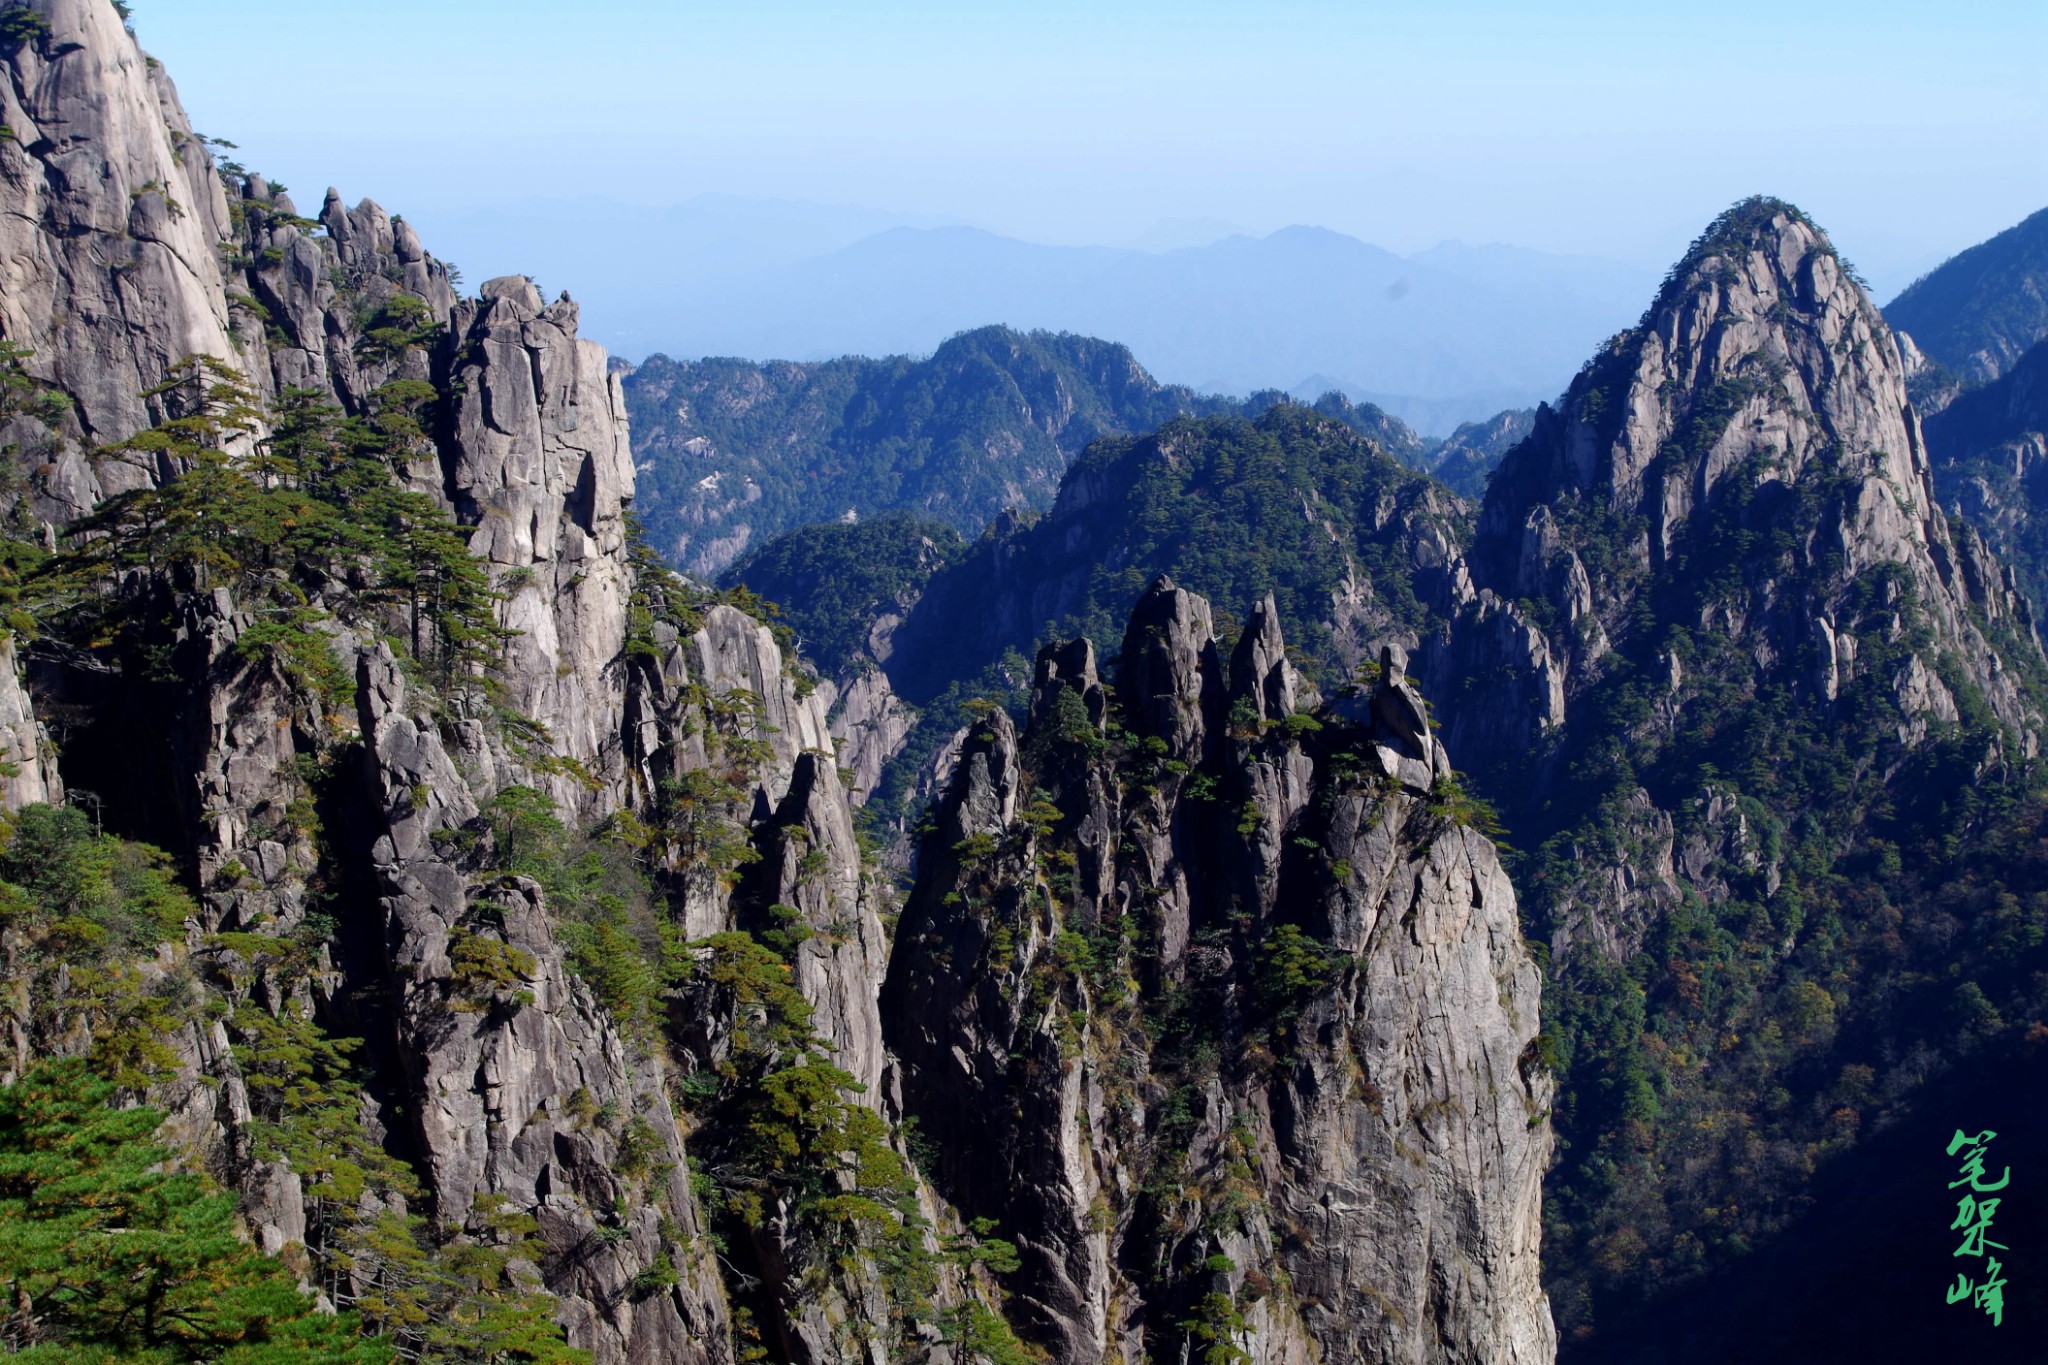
pixel 322 578
pixel 1738 474
pixel 1758 708
pixel 1207 994
pixel 148 290
pixel 1760 713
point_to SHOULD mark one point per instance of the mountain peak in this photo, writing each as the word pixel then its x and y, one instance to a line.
pixel 1758 222
pixel 1766 239
pixel 1762 349
pixel 1762 388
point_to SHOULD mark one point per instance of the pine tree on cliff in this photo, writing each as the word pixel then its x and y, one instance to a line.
pixel 110 1253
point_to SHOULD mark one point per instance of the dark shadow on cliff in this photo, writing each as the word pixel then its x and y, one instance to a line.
pixel 1863 1277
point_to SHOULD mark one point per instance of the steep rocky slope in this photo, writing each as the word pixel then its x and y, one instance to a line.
pixel 1209 998
pixel 321 577
pixel 294 798
pixel 1979 311
pixel 1990 455
pixel 1750 700
pixel 115 215
pixel 1761 717
pixel 1735 474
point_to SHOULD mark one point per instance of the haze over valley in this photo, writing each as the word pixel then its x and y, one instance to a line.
pixel 1446 335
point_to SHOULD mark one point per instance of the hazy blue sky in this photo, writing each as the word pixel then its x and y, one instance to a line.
pixel 1610 127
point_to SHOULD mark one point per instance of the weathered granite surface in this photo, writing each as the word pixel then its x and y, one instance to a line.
pixel 1366 1158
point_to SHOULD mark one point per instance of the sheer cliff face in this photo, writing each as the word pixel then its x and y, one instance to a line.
pixel 1226 1020
pixel 1211 1076
pixel 491 1094
pixel 114 217
pixel 131 259
pixel 124 258
pixel 540 464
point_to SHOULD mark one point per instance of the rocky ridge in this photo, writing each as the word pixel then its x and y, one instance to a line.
pixel 1761 389
pixel 1742 687
pixel 1728 665
pixel 1215 1071
pixel 387 803
pixel 140 257
pixel 734 450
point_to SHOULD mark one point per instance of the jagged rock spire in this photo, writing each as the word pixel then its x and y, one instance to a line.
pixel 1069 666
pixel 1261 670
pixel 1400 1136
pixel 1171 676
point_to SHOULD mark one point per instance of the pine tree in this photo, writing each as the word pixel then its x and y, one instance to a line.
pixel 461 1302
pixel 308 520
pixel 306 1106
pixel 108 1252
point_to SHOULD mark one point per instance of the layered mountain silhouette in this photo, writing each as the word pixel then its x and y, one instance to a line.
pixel 1979 311
pixel 1761 716
pixel 1451 335
pixel 734 453
pixel 1227 896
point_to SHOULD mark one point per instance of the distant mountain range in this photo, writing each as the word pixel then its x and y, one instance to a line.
pixel 1262 907
pixel 1449 335
pixel 733 453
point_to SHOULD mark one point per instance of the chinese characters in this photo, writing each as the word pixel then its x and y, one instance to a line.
pixel 1974 1213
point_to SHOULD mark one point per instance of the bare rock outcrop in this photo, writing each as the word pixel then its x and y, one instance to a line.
pixel 111 238
pixel 539 463
pixel 1196 1071
pixel 28 765
pixel 1204 1076
pixel 1742 468
pixel 510 1075
pixel 869 724
pixel 814 866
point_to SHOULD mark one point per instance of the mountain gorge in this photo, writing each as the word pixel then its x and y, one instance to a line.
pixel 1761 717
pixel 463 923
pixel 1174 880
